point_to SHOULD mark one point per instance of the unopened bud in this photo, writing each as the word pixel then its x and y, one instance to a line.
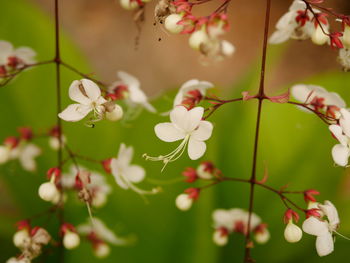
pixel 102 250
pixel 129 4
pixel 20 238
pixel 262 237
pixel 71 240
pixel 48 191
pixel 319 37
pixel 227 49
pixel 183 202
pixel 4 154
pixel 292 233
pixel 116 114
pixel 220 237
pixel 198 38
pixel 205 170
pixel 171 23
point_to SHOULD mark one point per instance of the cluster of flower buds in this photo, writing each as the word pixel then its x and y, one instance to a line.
pixel 12 59
pixel 235 220
pixel 304 21
pixel 21 148
pixel 133 4
pixel 30 240
pixel 100 236
pixel 101 105
pixel 205 31
pixel 50 191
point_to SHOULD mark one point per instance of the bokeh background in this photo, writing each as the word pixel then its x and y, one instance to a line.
pixel 99 37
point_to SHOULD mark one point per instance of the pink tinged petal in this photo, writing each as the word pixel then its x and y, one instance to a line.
pixel 92 90
pixel 345 121
pixel 196 149
pixel 340 154
pixel 324 244
pixel 135 173
pixel 76 94
pixel 337 131
pixel 125 155
pixel 314 226
pixel 74 112
pixel 168 132
pixel 203 132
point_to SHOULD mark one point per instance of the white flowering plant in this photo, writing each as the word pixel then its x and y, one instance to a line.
pixel 83 153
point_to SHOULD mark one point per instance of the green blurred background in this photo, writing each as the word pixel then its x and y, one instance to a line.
pixel 294 145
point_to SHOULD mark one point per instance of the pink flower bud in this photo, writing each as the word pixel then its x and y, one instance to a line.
pixel 290 215
pixel 309 195
pixel 190 174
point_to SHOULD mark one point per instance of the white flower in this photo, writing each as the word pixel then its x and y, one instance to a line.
pixel 126 174
pixel 135 96
pixel 171 23
pixel 344 58
pixel 341 152
pixel 101 231
pixel 292 233
pixel 317 97
pixel 323 228
pixel 88 96
pixel 183 202
pixel 287 27
pixel 48 191
pixel 191 85
pixel 185 125
pixel 23 55
pixel 26 154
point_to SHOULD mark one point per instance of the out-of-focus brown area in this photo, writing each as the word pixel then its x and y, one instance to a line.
pixel 106 34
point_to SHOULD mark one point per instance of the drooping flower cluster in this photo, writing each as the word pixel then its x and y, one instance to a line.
pixel 305 21
pixel 205 31
pixel 235 220
pixel 13 59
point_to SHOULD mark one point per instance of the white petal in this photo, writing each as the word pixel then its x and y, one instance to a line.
pixel 6 49
pixel 297 5
pixel 203 132
pixel 149 107
pixel 324 244
pixel 168 132
pixel 337 131
pixel 74 112
pixel 26 54
pixel 279 37
pixel 128 79
pixel 186 120
pixel 333 98
pixel 314 226
pixel 125 155
pixel 196 149
pixel 92 89
pixel 345 121
pixel 28 155
pixel 331 212
pixel 135 173
pixel 117 174
pixel 75 93
pixel 340 154
pixel 188 84
pixel 178 98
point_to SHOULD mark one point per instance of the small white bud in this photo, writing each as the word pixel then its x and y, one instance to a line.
pixel 292 233
pixel 129 4
pixel 318 37
pixel 71 240
pixel 4 154
pixel 227 49
pixel 219 238
pixel 102 250
pixel 48 191
pixel 20 238
pixel 171 25
pixel 99 199
pixel 202 173
pixel 183 202
pixel 262 237
pixel 54 142
pixel 116 114
pixel 346 36
pixel 198 38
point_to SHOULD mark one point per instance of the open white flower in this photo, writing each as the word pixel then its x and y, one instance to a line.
pixel 88 96
pixel 318 98
pixel 341 151
pixel 126 174
pixel 191 85
pixel 22 55
pixel 323 228
pixel 185 125
pixel 288 27
pixel 99 228
pixel 134 95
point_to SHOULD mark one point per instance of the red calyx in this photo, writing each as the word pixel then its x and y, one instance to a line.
pixel 26 133
pixel 331 111
pixel 335 40
pixel 190 174
pixel 106 164
pixel 261 228
pixel 318 103
pixel 223 231
pixel 118 92
pixel 55 131
pixel 309 195
pixel 23 224
pixel 13 62
pixel 67 227
pixel 54 171
pixel 94 239
pixel 11 141
pixel 239 227
pixel 3 71
pixel 312 212
pixel 290 215
pixel 193 193
pixel 302 17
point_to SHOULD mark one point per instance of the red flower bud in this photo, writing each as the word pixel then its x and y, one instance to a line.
pixel 309 195
pixel 190 174
pixel 106 164
pixel 290 215
pixel 193 193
